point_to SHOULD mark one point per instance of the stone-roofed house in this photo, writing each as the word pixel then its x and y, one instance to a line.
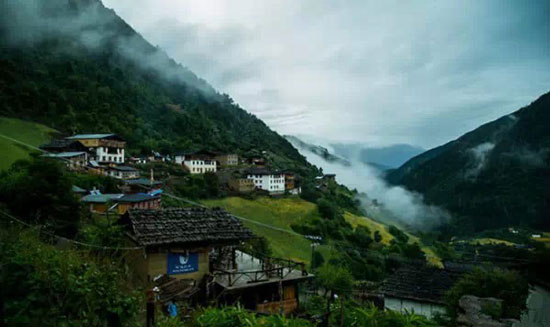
pixel 103 148
pixel 137 201
pixel 178 241
pixel 123 172
pixel 419 288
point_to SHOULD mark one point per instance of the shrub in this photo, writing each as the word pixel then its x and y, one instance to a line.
pixel 506 285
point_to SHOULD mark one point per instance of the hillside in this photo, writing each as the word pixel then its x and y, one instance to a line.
pixel 78 67
pixel 27 132
pixel 494 176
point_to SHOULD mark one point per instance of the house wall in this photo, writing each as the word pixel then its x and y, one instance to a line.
pixel 157 264
pixel 106 154
pixel 98 207
pixel 200 166
pixel 420 308
pixel 228 160
pixel 270 183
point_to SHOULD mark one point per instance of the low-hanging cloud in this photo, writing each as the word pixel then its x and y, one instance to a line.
pixel 479 156
pixel 30 22
pixel 376 72
pixel 377 196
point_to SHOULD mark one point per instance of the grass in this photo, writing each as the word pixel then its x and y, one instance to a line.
pixel 27 132
pixel 488 240
pixel 371 224
pixel 285 211
pixel 277 212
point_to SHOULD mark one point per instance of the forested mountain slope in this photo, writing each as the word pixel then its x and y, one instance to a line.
pixel 497 175
pixel 77 67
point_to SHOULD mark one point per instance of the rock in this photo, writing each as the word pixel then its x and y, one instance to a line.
pixel 474 312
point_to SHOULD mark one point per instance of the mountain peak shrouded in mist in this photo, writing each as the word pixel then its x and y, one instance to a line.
pixel 78 67
pixel 494 176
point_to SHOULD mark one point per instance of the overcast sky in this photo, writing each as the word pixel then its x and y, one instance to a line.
pixel 379 72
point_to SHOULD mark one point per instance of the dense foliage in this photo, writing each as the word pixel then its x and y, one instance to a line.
pixel 39 191
pixel 119 84
pixel 506 285
pixel 45 286
pixel 238 317
pixel 495 176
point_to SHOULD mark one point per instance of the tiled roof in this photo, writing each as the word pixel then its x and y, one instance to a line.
pixel 420 283
pixel 100 198
pixel 123 168
pixel 142 181
pixel 63 154
pixel 190 225
pixel 89 136
pixel 139 197
pixel 262 171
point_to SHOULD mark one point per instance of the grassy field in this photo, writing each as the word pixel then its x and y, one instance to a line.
pixel 277 212
pixel 283 212
pixel 27 132
pixel 371 225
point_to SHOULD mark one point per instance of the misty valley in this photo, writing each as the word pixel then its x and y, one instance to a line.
pixel 274 163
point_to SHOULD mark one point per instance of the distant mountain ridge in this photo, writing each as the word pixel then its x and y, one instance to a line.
pixel 495 176
pixel 76 66
pixel 391 156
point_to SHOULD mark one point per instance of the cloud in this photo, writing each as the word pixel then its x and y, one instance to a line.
pixel 382 201
pixel 380 72
pixel 479 154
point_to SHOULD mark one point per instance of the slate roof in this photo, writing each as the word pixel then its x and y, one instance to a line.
pixel 93 136
pixel 420 283
pixel 64 154
pixel 123 168
pixel 63 144
pixel 134 198
pixel 142 181
pixel 262 171
pixel 100 198
pixel 185 226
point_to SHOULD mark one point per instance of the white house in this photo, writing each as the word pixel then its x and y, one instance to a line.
pixel 103 148
pixel 268 180
pixel 197 162
pixel 123 172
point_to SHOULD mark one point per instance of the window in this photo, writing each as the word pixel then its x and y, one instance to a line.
pixel 103 158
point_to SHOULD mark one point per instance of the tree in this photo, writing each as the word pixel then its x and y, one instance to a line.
pixel 506 285
pixel 317 260
pixel 326 209
pixel 399 235
pixel 40 192
pixel 377 236
pixel 335 280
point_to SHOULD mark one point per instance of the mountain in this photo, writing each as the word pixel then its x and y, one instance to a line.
pixel 386 157
pixel 497 175
pixel 77 67
pixel 320 151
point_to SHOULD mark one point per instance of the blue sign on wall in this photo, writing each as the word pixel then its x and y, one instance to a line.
pixel 181 263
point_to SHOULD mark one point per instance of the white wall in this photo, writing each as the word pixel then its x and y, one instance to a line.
pixel 420 308
pixel 270 183
pixel 200 166
pixel 102 155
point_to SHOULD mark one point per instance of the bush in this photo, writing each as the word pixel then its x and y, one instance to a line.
pixel 506 285
pixel 326 209
pixel 238 317
pixel 40 192
pixel 44 286
pixel 399 235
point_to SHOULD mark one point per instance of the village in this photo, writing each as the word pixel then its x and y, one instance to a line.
pixel 190 255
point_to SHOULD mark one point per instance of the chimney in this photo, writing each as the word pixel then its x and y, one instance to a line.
pixel 152 176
